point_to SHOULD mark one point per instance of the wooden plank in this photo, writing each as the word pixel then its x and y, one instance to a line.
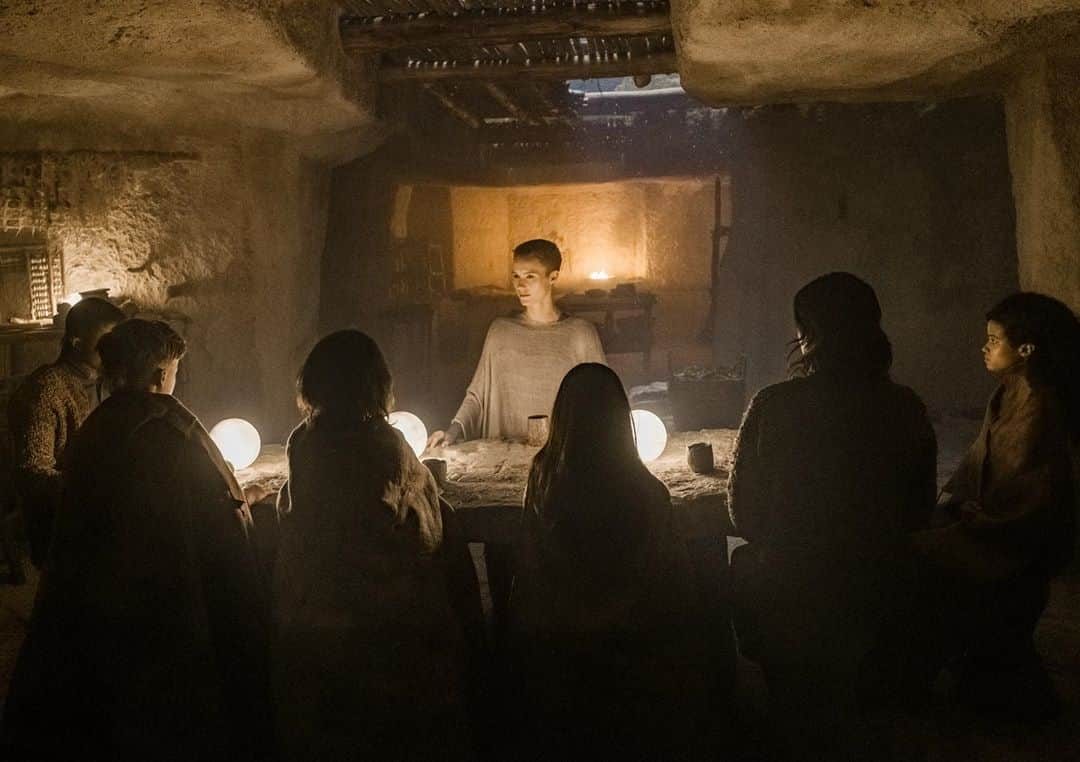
pixel 503 99
pixel 370 36
pixel 539 92
pixel 657 63
pixel 459 111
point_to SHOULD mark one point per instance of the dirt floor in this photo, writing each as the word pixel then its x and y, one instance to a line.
pixel 942 732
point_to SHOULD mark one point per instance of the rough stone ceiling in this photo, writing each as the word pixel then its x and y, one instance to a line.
pixel 279 65
pixel 754 51
pixel 182 64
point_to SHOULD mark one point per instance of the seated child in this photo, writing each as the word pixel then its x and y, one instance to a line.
pixel 1007 519
pixel 150 633
pixel 48 408
pixel 525 355
pixel 376 602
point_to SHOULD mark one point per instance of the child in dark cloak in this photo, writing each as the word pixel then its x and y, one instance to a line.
pixel 149 637
pixel 1006 523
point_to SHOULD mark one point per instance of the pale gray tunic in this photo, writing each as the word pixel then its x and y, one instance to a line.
pixel 520 369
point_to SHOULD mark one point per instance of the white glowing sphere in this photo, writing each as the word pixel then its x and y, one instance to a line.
pixel 412 427
pixel 650 434
pixel 72 299
pixel 238 441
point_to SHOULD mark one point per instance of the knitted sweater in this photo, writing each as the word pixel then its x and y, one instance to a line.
pixel 43 414
pixel 519 372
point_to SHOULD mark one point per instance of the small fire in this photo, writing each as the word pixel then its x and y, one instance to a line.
pixel 599 275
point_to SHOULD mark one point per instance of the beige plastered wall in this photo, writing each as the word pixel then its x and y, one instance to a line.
pixel 1042 108
pixel 656 233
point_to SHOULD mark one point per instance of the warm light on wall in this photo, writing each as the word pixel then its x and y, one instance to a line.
pixel 413 429
pixel 238 441
pixel 650 434
pixel 599 275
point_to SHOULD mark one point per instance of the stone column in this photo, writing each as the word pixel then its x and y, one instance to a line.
pixel 1043 122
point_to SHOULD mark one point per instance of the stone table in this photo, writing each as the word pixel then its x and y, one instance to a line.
pixel 486 481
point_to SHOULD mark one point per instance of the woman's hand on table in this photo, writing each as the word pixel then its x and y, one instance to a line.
pixel 445 438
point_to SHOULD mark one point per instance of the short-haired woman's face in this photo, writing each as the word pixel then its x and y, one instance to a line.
pixel 999 354
pixel 532 280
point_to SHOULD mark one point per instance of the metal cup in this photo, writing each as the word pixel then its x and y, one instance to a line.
pixel 538 430
pixel 437 467
pixel 699 456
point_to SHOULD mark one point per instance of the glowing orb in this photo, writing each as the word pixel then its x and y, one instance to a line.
pixel 72 299
pixel 599 275
pixel 412 427
pixel 238 441
pixel 650 434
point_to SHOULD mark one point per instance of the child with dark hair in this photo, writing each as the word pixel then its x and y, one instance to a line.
pixel 374 593
pixel 525 355
pixel 1007 520
pixel 832 469
pixel 608 649
pixel 150 632
pixel 47 409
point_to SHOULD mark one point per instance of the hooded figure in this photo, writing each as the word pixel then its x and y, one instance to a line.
pixel 149 636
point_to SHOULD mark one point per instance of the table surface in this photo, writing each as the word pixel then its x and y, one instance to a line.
pixel 491 474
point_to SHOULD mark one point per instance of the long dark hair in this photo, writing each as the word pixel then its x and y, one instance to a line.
pixel 345 375
pixel 591 438
pixel 839 322
pixel 1054 331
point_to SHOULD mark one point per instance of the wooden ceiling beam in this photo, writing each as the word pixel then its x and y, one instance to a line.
pixel 539 94
pixel 451 105
pixel 503 99
pixel 369 36
pixel 583 68
pixel 553 111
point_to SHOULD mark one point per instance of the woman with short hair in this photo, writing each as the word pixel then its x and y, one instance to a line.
pixel 373 589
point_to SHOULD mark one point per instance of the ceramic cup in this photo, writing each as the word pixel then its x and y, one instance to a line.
pixel 538 430
pixel 437 467
pixel 699 456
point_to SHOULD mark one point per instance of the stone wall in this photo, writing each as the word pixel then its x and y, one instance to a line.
pixel 1043 110
pixel 916 200
pixel 223 242
pixel 657 233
